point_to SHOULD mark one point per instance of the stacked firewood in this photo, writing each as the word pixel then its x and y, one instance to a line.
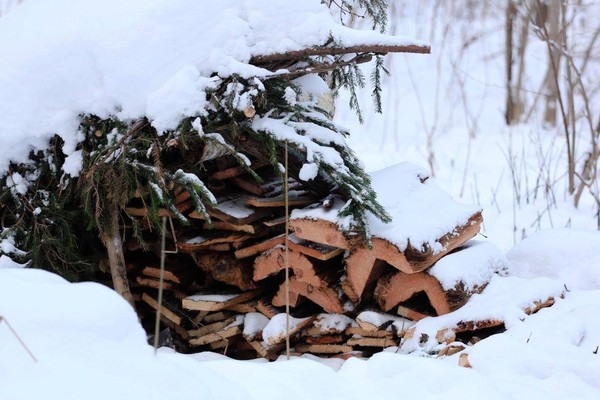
pixel 224 279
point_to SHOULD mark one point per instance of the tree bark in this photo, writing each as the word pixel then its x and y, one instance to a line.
pixel 114 246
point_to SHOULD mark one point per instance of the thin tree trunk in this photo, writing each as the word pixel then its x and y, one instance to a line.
pixel 114 246
pixel 550 80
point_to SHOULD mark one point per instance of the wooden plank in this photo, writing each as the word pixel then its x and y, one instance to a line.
pixel 202 243
pixel 238 170
pixel 275 222
pixel 234 211
pixel 152 283
pixel 212 302
pixel 410 314
pixel 356 330
pixel 211 328
pixel 265 351
pixel 324 339
pixel 242 308
pixel 266 309
pixel 214 337
pixel 154 272
pixel 216 316
pixel 250 185
pixel 259 247
pixel 279 201
pixel 323 348
pixel 312 249
pixel 226 226
pixel 170 315
pixel 372 342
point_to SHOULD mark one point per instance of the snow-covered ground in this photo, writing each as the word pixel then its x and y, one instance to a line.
pixel 88 344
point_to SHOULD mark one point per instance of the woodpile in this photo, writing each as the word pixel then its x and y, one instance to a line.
pixel 224 279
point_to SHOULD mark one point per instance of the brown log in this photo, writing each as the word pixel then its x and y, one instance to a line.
pixel 323 295
pixel 392 289
pixel 326 51
pixel 273 261
pixel 224 267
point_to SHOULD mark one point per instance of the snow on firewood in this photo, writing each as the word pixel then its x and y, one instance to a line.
pixel 332 323
pixel 275 331
pixel 254 323
pixel 421 212
pixel 473 266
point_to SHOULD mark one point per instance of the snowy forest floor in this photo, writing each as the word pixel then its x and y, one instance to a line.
pixel 444 112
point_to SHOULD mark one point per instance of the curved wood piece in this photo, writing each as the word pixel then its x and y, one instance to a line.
pixel 273 261
pixel 323 295
pixel 392 289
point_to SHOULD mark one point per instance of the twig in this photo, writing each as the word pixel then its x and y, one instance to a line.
pixel 2 319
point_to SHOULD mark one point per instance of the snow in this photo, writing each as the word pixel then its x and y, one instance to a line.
pixel 85 56
pixel 308 171
pixel 83 334
pixel 474 265
pixel 132 59
pixel 569 255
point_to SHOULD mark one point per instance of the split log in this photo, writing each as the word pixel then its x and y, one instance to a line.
pixel 320 231
pixel 214 337
pixel 259 247
pixel 426 257
pixel 224 267
pixel 273 261
pixel 323 295
pixel 392 289
pixel 324 339
pixel 358 331
pixel 153 283
pixel 279 201
pixel 382 342
pixel 238 170
pixel 168 314
pixel 203 242
pixel 211 328
pixel 323 348
pixel 216 302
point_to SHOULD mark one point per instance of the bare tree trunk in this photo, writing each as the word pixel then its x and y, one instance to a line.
pixel 552 22
pixel 114 246
pixel 511 12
